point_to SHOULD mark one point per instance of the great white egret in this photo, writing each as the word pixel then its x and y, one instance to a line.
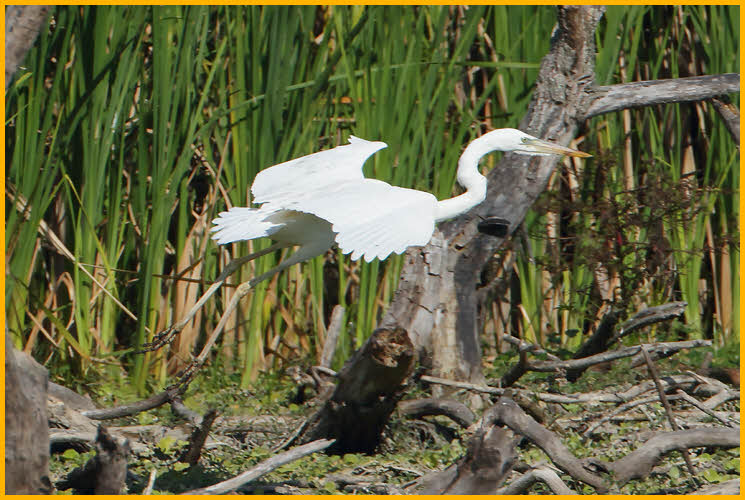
pixel 322 199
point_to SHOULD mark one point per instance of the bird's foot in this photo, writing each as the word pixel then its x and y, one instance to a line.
pixel 161 339
pixel 187 375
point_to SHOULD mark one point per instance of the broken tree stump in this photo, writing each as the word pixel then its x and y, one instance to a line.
pixel 367 391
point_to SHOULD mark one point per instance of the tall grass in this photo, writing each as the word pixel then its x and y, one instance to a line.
pixel 133 126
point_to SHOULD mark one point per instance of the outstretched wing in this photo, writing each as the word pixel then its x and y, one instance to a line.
pixel 315 172
pixel 371 217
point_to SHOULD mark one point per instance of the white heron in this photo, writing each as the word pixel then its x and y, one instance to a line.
pixel 322 199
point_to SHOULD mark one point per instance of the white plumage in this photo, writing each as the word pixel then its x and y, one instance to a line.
pixel 323 198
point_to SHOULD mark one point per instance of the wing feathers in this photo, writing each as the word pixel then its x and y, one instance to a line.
pixel 372 218
pixel 240 223
pixel 314 172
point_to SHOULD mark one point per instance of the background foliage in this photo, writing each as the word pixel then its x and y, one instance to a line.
pixel 130 127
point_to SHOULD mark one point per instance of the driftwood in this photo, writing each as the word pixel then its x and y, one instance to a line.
pixel 105 473
pixel 366 394
pixel 263 468
pixel 468 476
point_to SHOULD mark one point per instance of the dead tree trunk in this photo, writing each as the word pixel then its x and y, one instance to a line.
pixel 436 299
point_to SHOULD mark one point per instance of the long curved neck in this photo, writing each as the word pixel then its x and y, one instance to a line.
pixel 469 177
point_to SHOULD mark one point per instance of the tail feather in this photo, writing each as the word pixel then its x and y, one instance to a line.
pixel 241 223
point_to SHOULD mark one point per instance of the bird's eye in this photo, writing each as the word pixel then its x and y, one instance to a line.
pixel 524 140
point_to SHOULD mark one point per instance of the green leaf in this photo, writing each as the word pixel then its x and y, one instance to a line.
pixel 166 444
pixel 712 476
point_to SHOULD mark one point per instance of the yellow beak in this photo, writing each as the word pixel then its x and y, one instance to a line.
pixel 545 147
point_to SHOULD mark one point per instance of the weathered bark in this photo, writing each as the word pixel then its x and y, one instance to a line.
pixel 639 94
pixel 26 432
pixel 366 394
pixel 26 382
pixel 22 25
pixel 544 474
pixel 436 298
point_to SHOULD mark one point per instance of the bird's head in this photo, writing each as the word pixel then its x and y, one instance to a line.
pixel 510 139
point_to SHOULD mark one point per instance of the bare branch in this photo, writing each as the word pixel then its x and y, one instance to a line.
pixel 455 411
pixel 695 402
pixel 332 336
pixel 611 98
pixel 133 408
pixel 666 404
pixel 649 316
pixel 263 468
pixel 198 438
pixel 625 352
pixel 639 463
